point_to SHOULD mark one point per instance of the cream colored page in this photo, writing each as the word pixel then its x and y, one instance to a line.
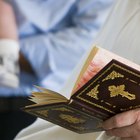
pixel 68 87
pixel 102 58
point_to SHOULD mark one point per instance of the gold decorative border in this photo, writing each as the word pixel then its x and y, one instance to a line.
pixel 72 127
pixel 97 105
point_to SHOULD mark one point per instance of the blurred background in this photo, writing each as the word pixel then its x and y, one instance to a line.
pixel 41 42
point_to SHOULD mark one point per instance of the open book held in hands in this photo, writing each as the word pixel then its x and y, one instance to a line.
pixel 107 84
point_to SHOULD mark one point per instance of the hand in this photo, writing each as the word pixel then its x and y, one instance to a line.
pixel 125 125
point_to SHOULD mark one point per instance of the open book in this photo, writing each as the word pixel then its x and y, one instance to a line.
pixel 107 84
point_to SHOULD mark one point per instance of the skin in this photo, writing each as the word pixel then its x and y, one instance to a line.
pixel 125 125
pixel 8 27
pixel 8 30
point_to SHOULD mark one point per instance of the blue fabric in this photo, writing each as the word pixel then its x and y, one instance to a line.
pixel 53 36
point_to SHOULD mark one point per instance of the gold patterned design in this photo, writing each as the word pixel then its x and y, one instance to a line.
pixel 97 105
pixel 63 109
pixel 71 119
pixel 131 107
pixel 80 128
pixel 133 81
pixel 95 80
pixel 119 90
pixel 94 92
pixel 108 104
pixel 43 112
pixel 113 75
pixel 99 125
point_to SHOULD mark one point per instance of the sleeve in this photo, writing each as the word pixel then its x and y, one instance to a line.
pixel 60 51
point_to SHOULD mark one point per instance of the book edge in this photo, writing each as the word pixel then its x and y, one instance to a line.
pixel 91 55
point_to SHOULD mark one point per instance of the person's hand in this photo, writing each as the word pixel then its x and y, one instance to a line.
pixel 125 125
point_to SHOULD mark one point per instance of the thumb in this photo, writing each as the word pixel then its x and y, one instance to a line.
pixel 122 119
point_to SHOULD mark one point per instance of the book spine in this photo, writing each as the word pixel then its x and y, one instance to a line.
pixel 88 110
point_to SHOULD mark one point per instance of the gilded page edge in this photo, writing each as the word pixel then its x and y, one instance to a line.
pixel 88 60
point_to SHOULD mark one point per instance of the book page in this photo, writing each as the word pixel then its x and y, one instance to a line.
pixel 71 82
pixel 46 96
pixel 99 58
pixel 91 55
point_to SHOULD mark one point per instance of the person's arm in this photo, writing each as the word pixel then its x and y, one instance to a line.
pixel 60 51
pixel 8 31
pixel 124 125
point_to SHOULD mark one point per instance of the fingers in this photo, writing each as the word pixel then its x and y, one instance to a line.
pixel 131 132
pixel 124 125
pixel 123 132
pixel 122 119
pixel 127 139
